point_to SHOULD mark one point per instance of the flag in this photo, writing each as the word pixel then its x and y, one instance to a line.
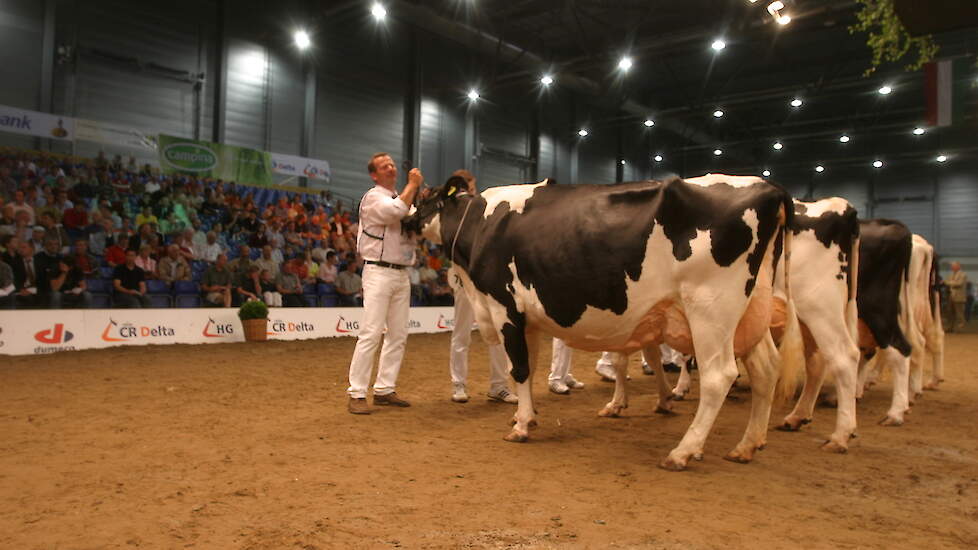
pixel 946 84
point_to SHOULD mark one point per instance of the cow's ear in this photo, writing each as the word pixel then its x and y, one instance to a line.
pixel 455 185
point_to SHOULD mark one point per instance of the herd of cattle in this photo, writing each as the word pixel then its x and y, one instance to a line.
pixel 729 266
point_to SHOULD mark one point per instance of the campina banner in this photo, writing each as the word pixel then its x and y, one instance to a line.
pixel 214 160
pixel 300 167
pixel 36 332
pixel 34 123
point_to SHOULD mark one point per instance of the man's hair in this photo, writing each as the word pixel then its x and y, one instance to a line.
pixel 464 174
pixel 370 165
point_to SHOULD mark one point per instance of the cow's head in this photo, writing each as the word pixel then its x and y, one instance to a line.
pixel 426 218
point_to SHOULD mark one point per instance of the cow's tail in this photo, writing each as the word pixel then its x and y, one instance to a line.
pixel 852 311
pixel 906 320
pixel 792 350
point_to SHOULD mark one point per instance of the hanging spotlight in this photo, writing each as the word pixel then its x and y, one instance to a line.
pixel 658 158
pixel 877 163
pixel 623 162
pixel 718 44
pixel 582 132
pixel 302 40
pixel 472 95
pixel 783 19
pixel 717 152
pixel 777 146
pixel 546 80
pixel 819 168
pixel 625 63
pixel 718 113
pixel 796 102
pixel 942 158
pixel 885 90
pixel 774 8
pixel 378 11
pixel 649 123
pixel 918 131
pixel 766 173
pixel 844 138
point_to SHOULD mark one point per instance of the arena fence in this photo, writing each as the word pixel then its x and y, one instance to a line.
pixel 29 332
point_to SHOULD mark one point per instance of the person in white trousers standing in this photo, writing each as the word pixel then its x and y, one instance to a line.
pixel 561 381
pixel 458 362
pixel 387 252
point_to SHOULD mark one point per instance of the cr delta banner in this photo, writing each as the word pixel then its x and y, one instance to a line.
pixel 290 165
pixel 34 123
pixel 215 160
pixel 33 332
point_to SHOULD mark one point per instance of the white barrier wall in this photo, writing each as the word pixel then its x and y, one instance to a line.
pixel 27 332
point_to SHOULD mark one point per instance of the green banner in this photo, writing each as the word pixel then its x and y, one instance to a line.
pixel 214 160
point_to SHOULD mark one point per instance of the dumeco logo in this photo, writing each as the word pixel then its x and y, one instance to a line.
pixel 56 335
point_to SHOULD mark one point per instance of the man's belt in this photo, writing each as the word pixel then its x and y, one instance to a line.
pixel 386 264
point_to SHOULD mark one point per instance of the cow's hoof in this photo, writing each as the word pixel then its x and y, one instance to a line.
pixel 516 437
pixel 532 423
pixel 890 421
pixel 834 447
pixel 698 456
pixel 664 411
pixel 793 425
pixel 918 395
pixel 740 457
pixel 672 464
pixel 931 386
pixel 679 395
pixel 611 411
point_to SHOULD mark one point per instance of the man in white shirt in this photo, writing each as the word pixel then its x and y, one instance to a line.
pixel 387 252
pixel 211 249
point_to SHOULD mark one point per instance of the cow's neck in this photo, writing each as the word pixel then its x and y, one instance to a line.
pixel 458 219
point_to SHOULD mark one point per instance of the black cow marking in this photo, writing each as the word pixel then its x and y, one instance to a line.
pixel 884 263
pixel 578 246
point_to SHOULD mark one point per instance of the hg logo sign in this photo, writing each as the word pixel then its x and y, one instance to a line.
pixel 217 330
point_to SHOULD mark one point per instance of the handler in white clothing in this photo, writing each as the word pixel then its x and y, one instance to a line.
pixel 387 252
pixel 462 336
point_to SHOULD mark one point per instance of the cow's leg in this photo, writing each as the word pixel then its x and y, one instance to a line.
pixel 937 364
pixel 762 366
pixel 521 349
pixel 900 367
pixel 862 378
pixel 682 385
pixel 653 357
pixel 619 401
pixel 802 413
pixel 718 370
pixel 916 382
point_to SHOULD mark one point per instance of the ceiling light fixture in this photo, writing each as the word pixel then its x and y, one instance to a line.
pixel 649 123
pixel 718 113
pixel 941 158
pixel 918 131
pixel 546 80
pixel 796 102
pixel 844 138
pixel 625 63
pixel 658 158
pixel 777 146
pixel 473 95
pixel 819 168
pixel 885 90
pixel 717 152
pixel 378 11
pixel 582 132
pixel 302 40
pixel 718 44
pixel 877 163
pixel 766 173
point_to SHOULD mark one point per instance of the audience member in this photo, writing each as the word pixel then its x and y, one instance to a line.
pixel 173 266
pixel 129 283
pixel 269 290
pixel 290 286
pixel 146 262
pixel 217 283
pixel 349 286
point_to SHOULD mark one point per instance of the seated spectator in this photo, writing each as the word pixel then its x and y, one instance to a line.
pixel 414 275
pixel 25 275
pixel 85 262
pixel 55 230
pixel 76 219
pixel 239 266
pixel 269 290
pixel 8 220
pixel 49 272
pixel 434 261
pixel 210 250
pixel 319 252
pixel 173 266
pixel 146 262
pixel 249 285
pixel 439 292
pixel 7 287
pixel 20 205
pixel 290 286
pixel 70 289
pixel 267 262
pixel 309 267
pixel 100 237
pixel 130 284
pixel 185 245
pixel 426 275
pixel 145 217
pixel 115 255
pixel 350 286
pixel 217 283
pixel 37 237
pixel 328 269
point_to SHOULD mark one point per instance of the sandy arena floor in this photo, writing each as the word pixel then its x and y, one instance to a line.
pixel 250 446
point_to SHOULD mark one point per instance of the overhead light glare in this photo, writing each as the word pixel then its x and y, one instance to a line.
pixel 766 173
pixel 625 63
pixel 918 131
pixel 658 158
pixel 473 95
pixel 844 138
pixel 649 123
pixel 718 113
pixel 783 19
pixel 819 168
pixel 777 146
pixel 877 163
pixel 775 6
pixel 796 102
pixel 718 44
pixel 885 90
pixel 378 11
pixel 302 40
pixel 717 152
pixel 941 158
pixel 582 132
pixel 546 80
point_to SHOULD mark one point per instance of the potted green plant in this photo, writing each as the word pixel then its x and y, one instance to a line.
pixel 254 320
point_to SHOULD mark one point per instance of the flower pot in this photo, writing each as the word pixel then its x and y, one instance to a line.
pixel 255 330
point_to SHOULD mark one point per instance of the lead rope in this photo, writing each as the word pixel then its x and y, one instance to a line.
pixel 459 230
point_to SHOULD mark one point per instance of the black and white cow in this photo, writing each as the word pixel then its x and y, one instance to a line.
pixel 621 268
pixel 886 323
pixel 927 318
